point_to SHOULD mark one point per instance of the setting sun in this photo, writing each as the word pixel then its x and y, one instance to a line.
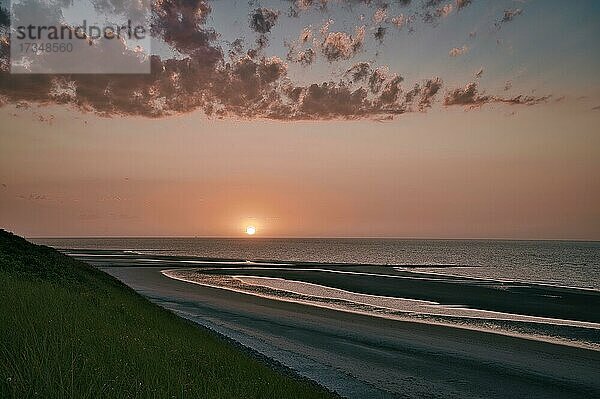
pixel 250 230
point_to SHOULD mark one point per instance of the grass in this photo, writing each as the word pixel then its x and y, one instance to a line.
pixel 68 330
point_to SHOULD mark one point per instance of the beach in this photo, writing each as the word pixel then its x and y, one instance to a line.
pixel 360 355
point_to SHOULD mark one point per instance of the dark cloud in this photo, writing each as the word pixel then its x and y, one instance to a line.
pixel 359 71
pixel 596 108
pixel 390 92
pixel 510 14
pixel 303 57
pixel 305 35
pixel 433 11
pixel 297 53
pixel 377 79
pixel 429 11
pixel 380 34
pixel 522 100
pixel 306 57
pixel 263 19
pixel 236 48
pixel 338 46
pixel 241 82
pixel 429 90
pixel 469 96
pixel 330 100
pixel 180 23
pixel 462 3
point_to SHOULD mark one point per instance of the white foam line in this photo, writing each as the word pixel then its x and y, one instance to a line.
pixel 211 262
pixel 421 278
pixel 241 277
pixel 240 262
pixel 198 262
pixel 507 316
pixel 339 272
pixel 552 340
pixel 94 255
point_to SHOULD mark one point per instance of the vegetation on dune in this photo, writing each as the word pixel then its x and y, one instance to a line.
pixel 68 330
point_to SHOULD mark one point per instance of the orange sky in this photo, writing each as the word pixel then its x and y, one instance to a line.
pixel 450 174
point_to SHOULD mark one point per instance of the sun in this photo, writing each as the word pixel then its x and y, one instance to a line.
pixel 250 230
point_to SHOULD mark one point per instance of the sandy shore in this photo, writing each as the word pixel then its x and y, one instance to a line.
pixel 366 357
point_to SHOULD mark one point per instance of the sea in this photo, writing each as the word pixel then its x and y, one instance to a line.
pixel 562 263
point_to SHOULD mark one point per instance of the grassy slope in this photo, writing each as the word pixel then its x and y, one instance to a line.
pixel 69 330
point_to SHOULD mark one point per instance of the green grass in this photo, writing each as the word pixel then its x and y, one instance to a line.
pixel 68 330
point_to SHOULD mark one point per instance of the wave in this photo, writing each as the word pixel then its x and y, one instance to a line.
pixel 406 309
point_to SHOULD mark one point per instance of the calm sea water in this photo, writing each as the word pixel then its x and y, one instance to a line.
pixel 574 264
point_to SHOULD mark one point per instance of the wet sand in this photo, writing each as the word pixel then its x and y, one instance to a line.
pixel 361 356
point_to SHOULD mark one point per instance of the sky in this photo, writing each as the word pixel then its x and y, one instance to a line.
pixel 422 119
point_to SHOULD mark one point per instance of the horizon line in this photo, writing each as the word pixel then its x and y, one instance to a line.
pixel 319 238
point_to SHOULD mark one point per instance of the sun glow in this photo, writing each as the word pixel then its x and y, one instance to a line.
pixel 250 230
